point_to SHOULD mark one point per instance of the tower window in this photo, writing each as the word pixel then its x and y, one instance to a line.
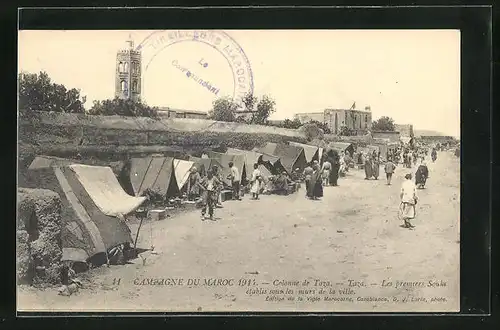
pixel 125 67
pixel 120 67
pixel 134 86
pixel 123 85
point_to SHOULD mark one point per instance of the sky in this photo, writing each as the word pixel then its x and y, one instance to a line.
pixel 412 76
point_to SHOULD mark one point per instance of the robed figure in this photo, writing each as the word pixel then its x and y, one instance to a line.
pixel 421 175
pixel 368 168
pixel 334 159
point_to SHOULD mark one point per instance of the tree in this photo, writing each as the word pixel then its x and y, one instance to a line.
pixel 260 109
pixel 292 124
pixel 265 108
pixel 38 93
pixel 383 124
pixel 123 107
pixel 312 131
pixel 224 109
pixel 323 126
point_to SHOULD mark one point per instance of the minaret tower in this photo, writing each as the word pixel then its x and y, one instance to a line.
pixel 128 72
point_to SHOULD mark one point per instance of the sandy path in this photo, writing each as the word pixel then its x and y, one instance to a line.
pixel 352 233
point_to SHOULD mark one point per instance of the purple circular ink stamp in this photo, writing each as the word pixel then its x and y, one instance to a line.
pixel 220 41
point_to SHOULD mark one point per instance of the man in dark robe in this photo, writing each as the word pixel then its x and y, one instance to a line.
pixel 334 173
pixel 434 155
pixel 315 184
pixel 368 168
pixel 421 175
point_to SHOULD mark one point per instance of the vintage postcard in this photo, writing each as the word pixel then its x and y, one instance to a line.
pixel 239 171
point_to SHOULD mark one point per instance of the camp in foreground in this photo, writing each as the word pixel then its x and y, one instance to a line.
pixel 93 206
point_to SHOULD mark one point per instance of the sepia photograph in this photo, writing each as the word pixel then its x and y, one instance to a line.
pixel 238 171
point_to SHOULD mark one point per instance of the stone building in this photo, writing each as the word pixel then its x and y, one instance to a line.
pixel 128 73
pixel 356 120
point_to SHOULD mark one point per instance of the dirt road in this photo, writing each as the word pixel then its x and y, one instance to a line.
pixel 353 233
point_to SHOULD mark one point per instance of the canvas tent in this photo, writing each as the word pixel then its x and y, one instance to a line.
pixel 223 159
pixel 204 164
pixel 311 152
pixel 181 170
pixel 251 158
pixel 269 148
pixel 290 157
pixel 342 146
pixel 93 204
pixel 155 173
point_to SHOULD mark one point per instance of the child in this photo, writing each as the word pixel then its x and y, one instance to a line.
pixel 210 185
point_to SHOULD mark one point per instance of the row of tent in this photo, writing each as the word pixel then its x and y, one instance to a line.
pixel 95 198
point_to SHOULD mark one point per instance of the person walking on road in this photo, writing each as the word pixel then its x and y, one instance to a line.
pixel 434 155
pixel 235 180
pixel 421 175
pixel 389 170
pixel 209 185
pixel 409 200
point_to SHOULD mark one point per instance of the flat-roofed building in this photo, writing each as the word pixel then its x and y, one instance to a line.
pixel 355 120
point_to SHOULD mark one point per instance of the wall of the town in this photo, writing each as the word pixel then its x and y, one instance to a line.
pixel 114 138
pixel 392 136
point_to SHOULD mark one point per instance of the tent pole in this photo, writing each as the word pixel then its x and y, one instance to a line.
pixel 137 234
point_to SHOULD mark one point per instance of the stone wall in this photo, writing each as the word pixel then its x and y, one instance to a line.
pixel 39 248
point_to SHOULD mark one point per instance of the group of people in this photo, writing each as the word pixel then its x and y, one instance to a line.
pixel 210 186
pixel 315 176
pixel 372 165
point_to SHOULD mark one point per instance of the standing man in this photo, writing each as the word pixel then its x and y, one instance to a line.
pixel 235 179
pixel 434 155
pixel 409 200
pixel 210 185
pixel 389 170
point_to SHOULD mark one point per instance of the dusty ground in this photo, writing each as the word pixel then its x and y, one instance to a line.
pixel 353 233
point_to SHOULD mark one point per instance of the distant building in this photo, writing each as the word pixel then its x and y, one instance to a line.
pixel 356 120
pixel 167 112
pixel 128 73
